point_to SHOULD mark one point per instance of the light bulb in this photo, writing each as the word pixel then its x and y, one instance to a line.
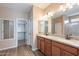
pixel 61 7
pixel 50 14
pixel 77 3
pixel 69 5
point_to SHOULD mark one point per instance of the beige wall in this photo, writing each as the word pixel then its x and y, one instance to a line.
pixel 37 13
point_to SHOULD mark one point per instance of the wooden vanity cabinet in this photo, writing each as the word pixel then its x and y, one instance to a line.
pixel 38 42
pixel 78 51
pixel 48 47
pixel 42 45
pixel 55 48
pixel 63 49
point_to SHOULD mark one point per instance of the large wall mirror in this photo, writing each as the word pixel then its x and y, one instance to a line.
pixel 65 22
pixel 6 29
pixel 72 27
pixel 57 25
pixel 43 27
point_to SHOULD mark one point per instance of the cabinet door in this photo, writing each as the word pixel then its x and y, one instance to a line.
pixel 38 42
pixel 42 45
pixel 55 51
pixel 48 47
pixel 65 53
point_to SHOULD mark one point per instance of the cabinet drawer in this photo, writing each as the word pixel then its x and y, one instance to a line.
pixel 65 47
pixel 42 39
pixel 48 41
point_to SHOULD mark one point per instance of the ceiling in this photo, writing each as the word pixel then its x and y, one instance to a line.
pixel 42 5
pixel 17 7
pixel 23 7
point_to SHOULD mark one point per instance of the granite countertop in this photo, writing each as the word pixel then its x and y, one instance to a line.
pixel 71 42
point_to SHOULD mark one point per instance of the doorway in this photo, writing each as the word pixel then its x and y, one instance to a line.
pixel 21 32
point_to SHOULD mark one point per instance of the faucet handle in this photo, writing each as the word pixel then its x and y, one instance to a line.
pixel 70 34
pixel 67 36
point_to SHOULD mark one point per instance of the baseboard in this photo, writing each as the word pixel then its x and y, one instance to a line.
pixel 35 49
pixel 8 48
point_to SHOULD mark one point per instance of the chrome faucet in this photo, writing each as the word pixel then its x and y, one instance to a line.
pixel 46 33
pixel 68 36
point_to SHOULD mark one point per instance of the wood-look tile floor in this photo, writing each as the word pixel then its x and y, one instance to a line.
pixel 23 50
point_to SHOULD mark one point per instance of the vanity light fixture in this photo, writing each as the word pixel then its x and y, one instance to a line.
pixel 69 5
pixel 78 3
pixel 50 14
pixel 61 7
pixel 66 21
pixel 41 18
pixel 44 18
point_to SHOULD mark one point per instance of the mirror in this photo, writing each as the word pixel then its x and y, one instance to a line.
pixel 72 27
pixel 6 29
pixel 43 27
pixel 66 23
pixel 62 22
pixel 57 25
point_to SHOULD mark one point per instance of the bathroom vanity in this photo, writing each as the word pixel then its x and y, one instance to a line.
pixel 57 46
